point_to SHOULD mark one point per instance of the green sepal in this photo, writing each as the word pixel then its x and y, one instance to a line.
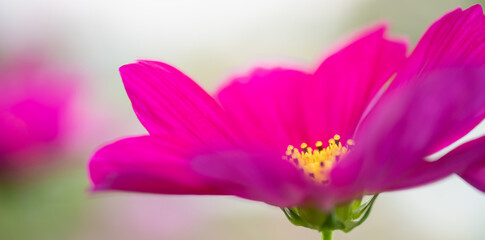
pixel 360 214
pixel 293 217
pixel 345 217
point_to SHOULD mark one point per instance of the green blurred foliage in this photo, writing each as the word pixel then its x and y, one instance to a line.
pixel 409 18
pixel 47 208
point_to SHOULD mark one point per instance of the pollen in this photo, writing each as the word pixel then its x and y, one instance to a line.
pixel 317 163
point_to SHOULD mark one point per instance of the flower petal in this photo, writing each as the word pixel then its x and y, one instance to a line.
pixel 282 106
pixel 257 175
pixel 468 160
pixel 456 40
pixel 167 101
pixel 267 105
pixel 347 81
pixel 147 164
pixel 405 124
pixel 475 175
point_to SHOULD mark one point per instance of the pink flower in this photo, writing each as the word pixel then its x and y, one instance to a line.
pixel 240 142
pixel 33 102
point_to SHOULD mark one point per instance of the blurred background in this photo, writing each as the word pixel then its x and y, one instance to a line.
pixel 80 45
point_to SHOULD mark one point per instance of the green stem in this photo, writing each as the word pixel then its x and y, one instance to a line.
pixel 327 235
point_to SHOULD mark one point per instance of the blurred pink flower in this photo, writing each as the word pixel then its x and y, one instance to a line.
pixel 241 142
pixel 33 109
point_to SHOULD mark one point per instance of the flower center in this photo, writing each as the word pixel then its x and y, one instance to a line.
pixel 317 163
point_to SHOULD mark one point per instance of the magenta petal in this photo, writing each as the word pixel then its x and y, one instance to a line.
pixel 167 101
pixel 468 160
pixel 266 104
pixel 28 120
pixel 348 80
pixel 475 175
pixel 455 40
pixel 262 177
pixel 35 107
pixel 405 125
pixel 280 106
pixel 147 164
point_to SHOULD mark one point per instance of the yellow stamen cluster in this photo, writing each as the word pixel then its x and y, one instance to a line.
pixel 317 163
